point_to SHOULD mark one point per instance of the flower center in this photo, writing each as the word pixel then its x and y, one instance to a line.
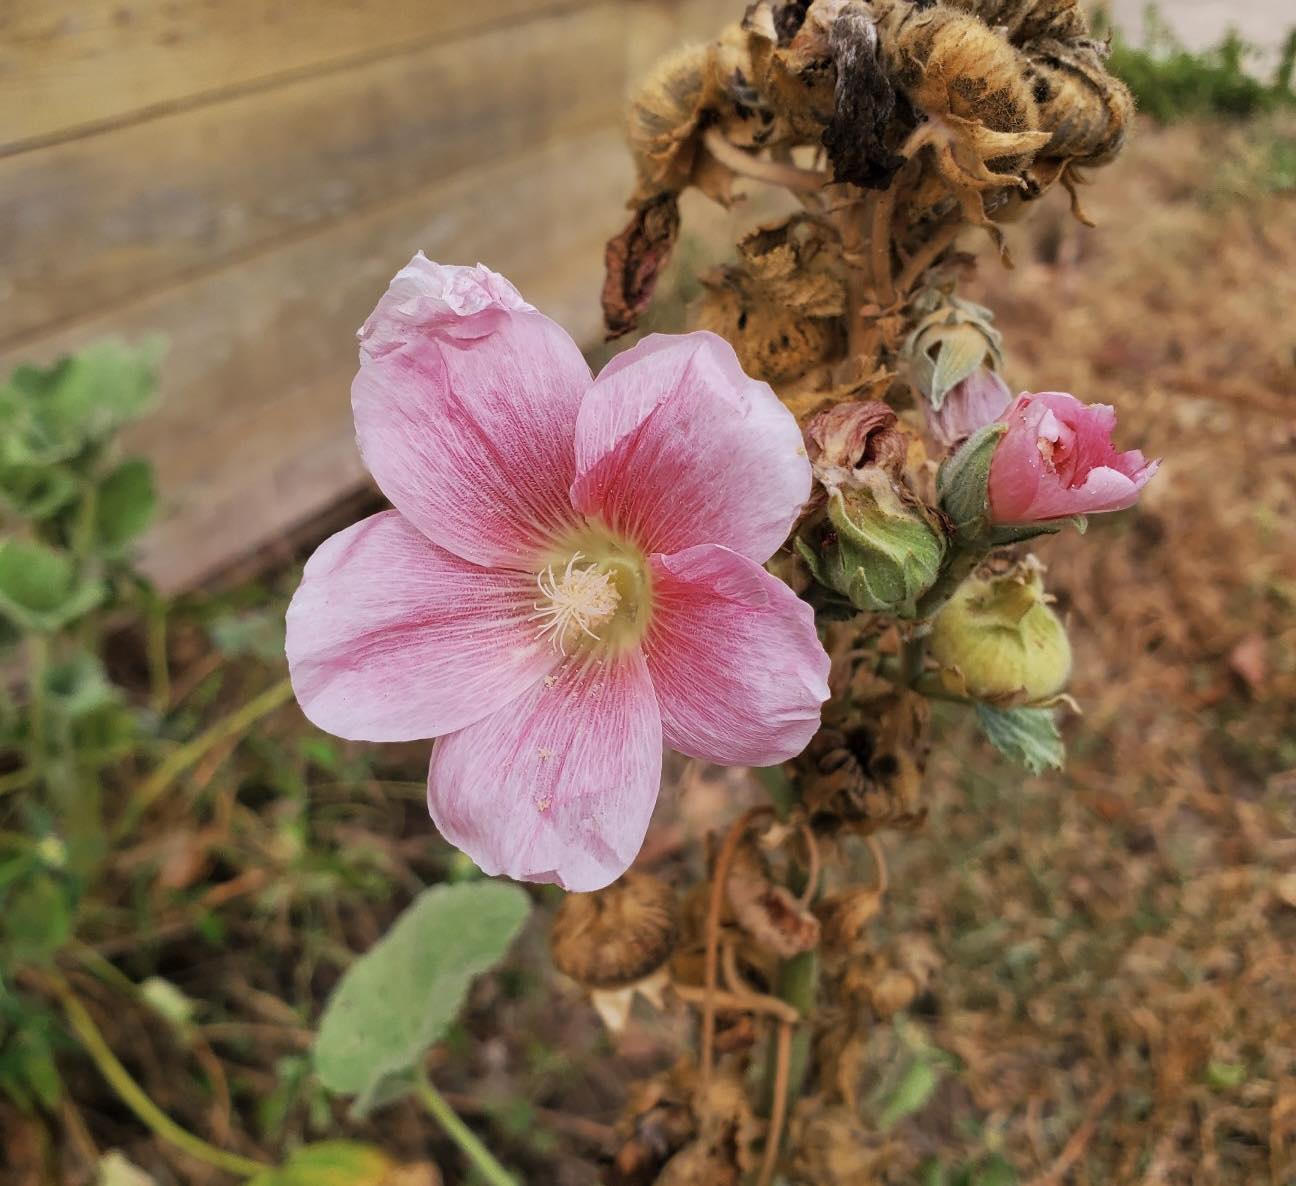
pixel 575 601
pixel 593 594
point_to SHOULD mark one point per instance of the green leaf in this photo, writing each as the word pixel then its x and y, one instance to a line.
pixel 39 587
pixel 1029 736
pixel 77 687
pixel 398 999
pixel 911 1094
pixel 125 504
pixel 258 634
pixel 37 919
pixel 54 412
pixel 37 491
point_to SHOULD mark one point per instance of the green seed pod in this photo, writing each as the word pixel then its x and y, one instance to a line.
pixel 875 544
pixel 997 640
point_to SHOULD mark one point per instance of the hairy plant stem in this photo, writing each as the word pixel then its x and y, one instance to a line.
pixel 961 565
pixel 38 651
pixel 176 763
pixel 470 1146
pixel 135 1097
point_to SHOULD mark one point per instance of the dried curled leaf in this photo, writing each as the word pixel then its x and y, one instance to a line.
pixel 634 261
pixel 845 914
pixel 773 342
pixel 767 911
pixel 832 1148
pixel 795 263
pixel 658 1122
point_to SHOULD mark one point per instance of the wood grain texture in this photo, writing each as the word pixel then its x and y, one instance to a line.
pixel 102 218
pixel 254 432
pixel 70 64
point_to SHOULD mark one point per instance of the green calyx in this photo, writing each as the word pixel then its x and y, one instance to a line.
pixel 875 545
pixel 998 641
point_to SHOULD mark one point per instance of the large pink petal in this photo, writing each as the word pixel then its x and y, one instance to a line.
pixel 560 785
pixel 465 409
pixel 390 638
pixel 676 446
pixel 736 663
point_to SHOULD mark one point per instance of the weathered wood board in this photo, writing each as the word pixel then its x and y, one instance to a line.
pixel 100 218
pixel 66 65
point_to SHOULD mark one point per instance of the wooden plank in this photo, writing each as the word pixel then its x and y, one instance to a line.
pixel 69 64
pixel 254 434
pixel 97 220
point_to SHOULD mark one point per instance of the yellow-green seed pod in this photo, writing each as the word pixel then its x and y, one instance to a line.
pixel 997 640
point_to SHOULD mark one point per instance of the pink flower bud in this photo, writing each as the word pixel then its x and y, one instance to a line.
pixel 976 401
pixel 1057 459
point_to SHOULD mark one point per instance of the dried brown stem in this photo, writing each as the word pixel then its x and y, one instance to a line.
pixel 881 213
pixel 715 906
pixel 739 1002
pixel 927 254
pixel 746 165
pixel 778 1109
pixel 1075 1147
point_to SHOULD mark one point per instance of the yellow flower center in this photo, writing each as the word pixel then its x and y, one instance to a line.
pixel 593 592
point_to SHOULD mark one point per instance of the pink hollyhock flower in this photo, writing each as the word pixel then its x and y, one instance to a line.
pixel 1057 459
pixel 571 575
pixel 972 403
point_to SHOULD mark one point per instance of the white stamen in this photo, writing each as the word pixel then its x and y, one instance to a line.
pixel 580 598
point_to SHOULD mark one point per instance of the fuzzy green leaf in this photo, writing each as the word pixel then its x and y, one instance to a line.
pixel 1029 736
pixel 125 504
pixel 400 998
pixel 54 412
pixel 963 479
pixel 37 491
pixel 39 587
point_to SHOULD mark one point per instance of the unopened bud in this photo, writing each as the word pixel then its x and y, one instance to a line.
pixel 997 640
pixel 953 340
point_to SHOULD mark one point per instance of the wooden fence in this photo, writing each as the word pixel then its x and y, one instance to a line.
pixel 243 177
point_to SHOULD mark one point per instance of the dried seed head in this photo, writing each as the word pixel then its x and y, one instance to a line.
pixel 1024 21
pixel 617 936
pixel 1087 110
pixel 951 63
